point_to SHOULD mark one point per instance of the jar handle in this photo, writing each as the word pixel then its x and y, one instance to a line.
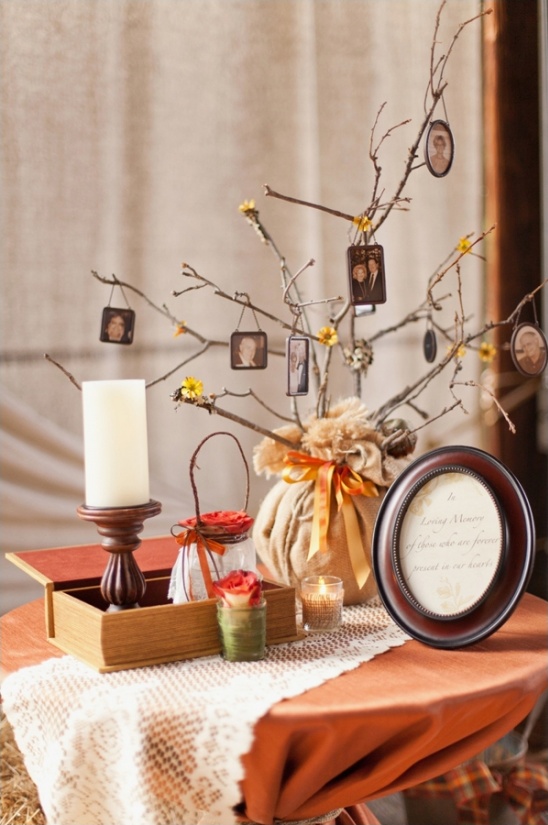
pixel 193 465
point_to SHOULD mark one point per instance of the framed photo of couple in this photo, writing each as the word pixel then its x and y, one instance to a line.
pixel 366 275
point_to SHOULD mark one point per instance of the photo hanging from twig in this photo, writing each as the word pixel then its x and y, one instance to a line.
pixel 430 344
pixel 529 349
pixel 366 274
pixel 297 358
pixel 439 150
pixel 248 350
pixel 117 325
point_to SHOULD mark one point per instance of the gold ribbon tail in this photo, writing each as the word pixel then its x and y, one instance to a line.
pixel 358 559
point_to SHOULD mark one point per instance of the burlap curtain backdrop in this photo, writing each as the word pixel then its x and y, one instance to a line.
pixel 130 133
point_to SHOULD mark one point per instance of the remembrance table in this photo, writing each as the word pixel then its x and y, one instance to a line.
pixel 387 724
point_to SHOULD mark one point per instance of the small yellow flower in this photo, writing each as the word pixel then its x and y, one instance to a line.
pixel 247 206
pixel 192 387
pixel 180 328
pixel 362 222
pixel 487 352
pixel 464 245
pixel 328 336
pixel 460 352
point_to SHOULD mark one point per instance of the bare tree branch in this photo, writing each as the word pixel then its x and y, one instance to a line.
pixel 367 223
pixel 252 394
pixel 503 413
pixel 214 409
pixel 69 375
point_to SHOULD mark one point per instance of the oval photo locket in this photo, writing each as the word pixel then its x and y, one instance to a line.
pixel 430 345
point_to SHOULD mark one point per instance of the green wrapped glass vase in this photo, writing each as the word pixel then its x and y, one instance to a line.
pixel 242 631
pixel 241 616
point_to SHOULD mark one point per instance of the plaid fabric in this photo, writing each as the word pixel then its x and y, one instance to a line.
pixel 524 788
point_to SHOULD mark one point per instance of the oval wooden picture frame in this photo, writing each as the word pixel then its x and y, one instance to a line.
pixel 522 356
pixel 439 164
pixel 453 547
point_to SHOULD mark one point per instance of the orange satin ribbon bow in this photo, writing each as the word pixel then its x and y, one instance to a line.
pixel 345 483
pixel 191 536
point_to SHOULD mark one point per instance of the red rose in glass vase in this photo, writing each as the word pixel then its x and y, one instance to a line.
pixel 241 616
pixel 240 588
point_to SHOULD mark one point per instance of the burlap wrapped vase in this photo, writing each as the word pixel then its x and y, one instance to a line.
pixel 319 518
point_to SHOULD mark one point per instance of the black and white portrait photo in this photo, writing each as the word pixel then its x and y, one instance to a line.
pixel 297 354
pixel 248 350
pixel 528 349
pixel 440 148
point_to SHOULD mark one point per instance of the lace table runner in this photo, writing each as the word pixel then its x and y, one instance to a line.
pixel 162 745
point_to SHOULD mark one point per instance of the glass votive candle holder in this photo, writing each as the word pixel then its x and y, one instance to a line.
pixel 322 603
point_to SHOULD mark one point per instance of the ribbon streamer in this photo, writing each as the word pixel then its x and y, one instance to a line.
pixel 340 479
pixel 204 546
pixel 524 788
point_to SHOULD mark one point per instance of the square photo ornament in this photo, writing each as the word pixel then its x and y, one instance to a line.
pixel 366 274
pixel 248 350
pixel 117 326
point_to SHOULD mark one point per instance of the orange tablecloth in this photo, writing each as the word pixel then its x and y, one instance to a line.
pixel 393 722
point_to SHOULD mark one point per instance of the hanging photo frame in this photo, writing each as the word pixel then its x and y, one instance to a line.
pixel 439 148
pixel 248 349
pixel 430 344
pixel 366 274
pixel 528 348
pixel 297 360
pixel 453 547
pixel 117 325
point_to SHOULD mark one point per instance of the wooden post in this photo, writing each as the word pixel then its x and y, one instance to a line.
pixel 513 203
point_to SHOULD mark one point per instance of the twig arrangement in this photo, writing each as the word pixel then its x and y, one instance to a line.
pixel 356 354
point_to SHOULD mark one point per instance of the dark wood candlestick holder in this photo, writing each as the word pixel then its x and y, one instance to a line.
pixel 123 583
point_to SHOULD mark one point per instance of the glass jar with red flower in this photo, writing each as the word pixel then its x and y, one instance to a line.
pixel 212 545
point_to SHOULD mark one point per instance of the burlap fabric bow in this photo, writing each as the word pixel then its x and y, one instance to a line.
pixel 319 518
pixel 343 484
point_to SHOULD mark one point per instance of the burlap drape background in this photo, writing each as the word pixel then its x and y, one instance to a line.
pixel 131 132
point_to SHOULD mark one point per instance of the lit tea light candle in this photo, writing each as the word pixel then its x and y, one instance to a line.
pixel 322 601
pixel 115 443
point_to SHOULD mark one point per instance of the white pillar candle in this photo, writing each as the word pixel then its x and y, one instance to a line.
pixel 115 443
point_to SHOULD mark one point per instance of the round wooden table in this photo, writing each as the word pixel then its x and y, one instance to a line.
pixel 402 718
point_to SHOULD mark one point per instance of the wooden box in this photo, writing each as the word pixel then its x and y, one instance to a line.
pixel 157 632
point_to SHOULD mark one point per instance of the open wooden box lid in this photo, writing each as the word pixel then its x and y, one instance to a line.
pixel 64 568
